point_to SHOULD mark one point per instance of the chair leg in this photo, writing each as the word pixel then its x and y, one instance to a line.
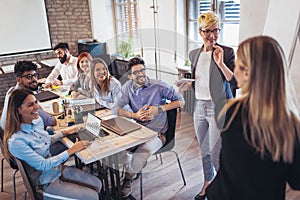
pixel 161 160
pixel 141 185
pixel 179 164
pixel 14 183
pixel 2 165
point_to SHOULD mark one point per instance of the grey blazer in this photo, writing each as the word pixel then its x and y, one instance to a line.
pixel 220 89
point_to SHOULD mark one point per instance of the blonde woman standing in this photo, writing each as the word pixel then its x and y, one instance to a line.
pixel 260 142
pixel 212 68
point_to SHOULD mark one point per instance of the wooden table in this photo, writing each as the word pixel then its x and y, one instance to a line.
pixel 112 144
pixel 104 150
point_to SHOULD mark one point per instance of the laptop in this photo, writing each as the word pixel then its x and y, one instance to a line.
pixel 91 131
pixel 45 96
pixel 120 125
pixel 91 108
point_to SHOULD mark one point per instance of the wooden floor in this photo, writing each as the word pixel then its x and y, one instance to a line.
pixel 161 182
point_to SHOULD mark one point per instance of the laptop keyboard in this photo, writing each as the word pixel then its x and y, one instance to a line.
pixel 84 134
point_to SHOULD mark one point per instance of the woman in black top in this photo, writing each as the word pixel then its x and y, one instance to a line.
pixel 260 141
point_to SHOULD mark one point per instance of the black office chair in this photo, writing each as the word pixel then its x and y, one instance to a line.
pixel 28 174
pixel 29 185
pixel 118 70
pixel 11 163
pixel 170 143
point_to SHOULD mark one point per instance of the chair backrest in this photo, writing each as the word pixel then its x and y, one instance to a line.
pixel 118 70
pixel 170 133
pixel 11 162
pixel 30 187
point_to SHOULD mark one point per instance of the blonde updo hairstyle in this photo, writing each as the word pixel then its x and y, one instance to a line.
pixel 207 19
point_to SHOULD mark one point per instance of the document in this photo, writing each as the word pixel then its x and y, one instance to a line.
pixel 185 80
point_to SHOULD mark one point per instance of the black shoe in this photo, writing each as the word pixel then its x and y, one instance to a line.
pixel 126 188
pixel 200 197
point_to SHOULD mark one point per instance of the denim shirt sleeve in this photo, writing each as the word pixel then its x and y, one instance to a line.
pixel 123 100
pixel 56 137
pixel 170 93
pixel 19 148
pixel 47 118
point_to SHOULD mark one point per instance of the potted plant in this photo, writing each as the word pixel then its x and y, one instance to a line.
pixel 125 48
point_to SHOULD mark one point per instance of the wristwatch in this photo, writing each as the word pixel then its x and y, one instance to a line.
pixel 160 110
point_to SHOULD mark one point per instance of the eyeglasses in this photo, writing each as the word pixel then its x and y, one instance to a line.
pixel 136 72
pixel 208 32
pixel 30 76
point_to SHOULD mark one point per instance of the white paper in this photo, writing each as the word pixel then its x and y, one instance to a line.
pixel 185 80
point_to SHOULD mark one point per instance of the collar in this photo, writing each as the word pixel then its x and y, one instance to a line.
pixel 72 60
pixel 136 88
pixel 27 128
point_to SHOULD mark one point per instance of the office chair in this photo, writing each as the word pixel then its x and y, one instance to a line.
pixel 170 143
pixel 118 70
pixel 27 173
pixel 11 163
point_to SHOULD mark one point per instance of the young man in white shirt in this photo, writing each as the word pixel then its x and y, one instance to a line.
pixel 66 68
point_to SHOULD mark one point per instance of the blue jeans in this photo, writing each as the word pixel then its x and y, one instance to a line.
pixel 208 136
pixel 74 184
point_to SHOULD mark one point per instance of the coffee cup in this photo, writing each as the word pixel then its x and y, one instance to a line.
pixel 55 107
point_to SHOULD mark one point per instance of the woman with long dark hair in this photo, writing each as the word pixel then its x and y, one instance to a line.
pixel 104 87
pixel 26 139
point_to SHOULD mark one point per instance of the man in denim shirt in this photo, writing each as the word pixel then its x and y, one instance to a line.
pixel 147 98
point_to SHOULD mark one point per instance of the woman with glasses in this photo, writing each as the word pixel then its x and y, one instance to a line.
pixel 82 85
pixel 105 88
pixel 211 66
pixel 26 139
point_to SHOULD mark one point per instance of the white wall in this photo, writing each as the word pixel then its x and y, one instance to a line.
pixel 282 23
pixel 101 19
pixel 170 32
pixel 277 19
pixel 253 15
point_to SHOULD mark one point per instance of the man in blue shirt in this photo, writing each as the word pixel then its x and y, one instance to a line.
pixel 26 77
pixel 147 98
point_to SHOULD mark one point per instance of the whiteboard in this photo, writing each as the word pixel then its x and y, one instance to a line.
pixel 282 23
pixel 24 27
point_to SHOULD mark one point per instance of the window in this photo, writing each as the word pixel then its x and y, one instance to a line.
pixel 125 15
pixel 229 14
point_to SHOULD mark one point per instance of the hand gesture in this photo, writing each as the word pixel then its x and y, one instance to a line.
pixel 218 55
pixel 141 115
pixel 183 86
pixel 57 83
pixel 75 94
pixel 78 146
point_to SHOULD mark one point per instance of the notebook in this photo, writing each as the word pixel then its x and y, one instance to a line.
pixel 120 125
pixel 46 96
pixel 92 129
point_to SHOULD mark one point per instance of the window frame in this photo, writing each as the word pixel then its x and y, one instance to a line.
pixel 216 6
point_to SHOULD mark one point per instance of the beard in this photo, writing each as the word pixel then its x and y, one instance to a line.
pixel 32 88
pixel 63 59
pixel 140 81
